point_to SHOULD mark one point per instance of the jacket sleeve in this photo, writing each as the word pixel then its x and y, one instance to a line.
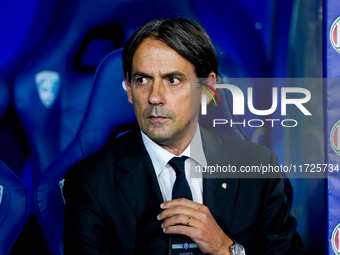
pixel 85 229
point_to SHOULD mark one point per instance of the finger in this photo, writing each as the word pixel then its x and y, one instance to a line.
pixel 177 210
pixel 184 220
pixel 180 201
pixel 180 229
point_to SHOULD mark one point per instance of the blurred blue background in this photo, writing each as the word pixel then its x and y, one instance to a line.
pixel 64 41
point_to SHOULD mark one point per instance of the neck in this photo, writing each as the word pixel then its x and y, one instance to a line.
pixel 177 146
pixel 177 150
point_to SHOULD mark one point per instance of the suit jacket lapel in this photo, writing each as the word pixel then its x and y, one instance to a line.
pixel 219 194
pixel 139 185
pixel 141 190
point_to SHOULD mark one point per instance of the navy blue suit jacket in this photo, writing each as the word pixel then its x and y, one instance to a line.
pixel 113 198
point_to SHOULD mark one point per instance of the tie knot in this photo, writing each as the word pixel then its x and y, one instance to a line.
pixel 177 163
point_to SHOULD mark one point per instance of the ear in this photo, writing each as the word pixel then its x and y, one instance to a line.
pixel 211 81
pixel 128 88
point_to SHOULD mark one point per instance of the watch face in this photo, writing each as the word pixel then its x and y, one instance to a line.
pixel 237 249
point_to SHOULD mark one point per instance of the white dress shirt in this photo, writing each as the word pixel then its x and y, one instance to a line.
pixel 166 176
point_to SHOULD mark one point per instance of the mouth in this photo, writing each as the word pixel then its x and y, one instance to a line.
pixel 157 118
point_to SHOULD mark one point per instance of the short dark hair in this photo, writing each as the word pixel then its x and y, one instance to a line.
pixel 185 36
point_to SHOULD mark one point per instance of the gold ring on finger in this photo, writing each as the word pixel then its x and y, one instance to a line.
pixel 188 222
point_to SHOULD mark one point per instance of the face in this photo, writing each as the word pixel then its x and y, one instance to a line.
pixel 160 93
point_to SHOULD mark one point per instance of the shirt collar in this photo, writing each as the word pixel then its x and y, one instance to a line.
pixel 160 156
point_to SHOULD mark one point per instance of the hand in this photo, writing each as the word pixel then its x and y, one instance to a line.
pixel 202 229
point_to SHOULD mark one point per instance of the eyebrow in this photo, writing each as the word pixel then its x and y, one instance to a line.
pixel 140 74
pixel 176 74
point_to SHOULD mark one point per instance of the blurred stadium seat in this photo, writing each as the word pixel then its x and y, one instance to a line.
pixel 26 29
pixel 108 107
pixel 14 208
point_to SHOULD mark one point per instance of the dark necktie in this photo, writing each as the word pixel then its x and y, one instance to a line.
pixel 181 189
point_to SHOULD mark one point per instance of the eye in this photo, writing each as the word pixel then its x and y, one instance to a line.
pixel 174 81
pixel 142 80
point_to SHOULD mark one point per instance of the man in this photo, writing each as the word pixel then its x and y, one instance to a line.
pixel 131 197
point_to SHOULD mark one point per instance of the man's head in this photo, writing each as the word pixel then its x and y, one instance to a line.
pixel 158 61
pixel 185 36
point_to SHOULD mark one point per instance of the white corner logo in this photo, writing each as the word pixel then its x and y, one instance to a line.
pixel 1 191
pixel 48 86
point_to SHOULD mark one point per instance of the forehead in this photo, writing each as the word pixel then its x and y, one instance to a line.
pixel 154 56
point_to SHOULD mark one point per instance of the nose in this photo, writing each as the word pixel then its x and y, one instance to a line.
pixel 156 96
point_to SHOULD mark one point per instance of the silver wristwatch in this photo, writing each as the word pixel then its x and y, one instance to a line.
pixel 237 249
